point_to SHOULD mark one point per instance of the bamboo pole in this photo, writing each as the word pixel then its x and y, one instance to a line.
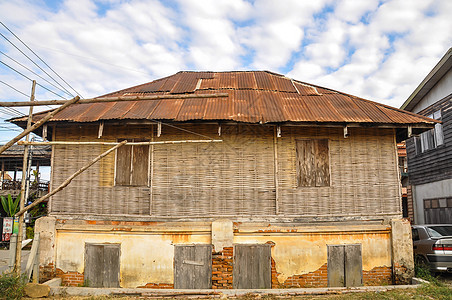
pixel 116 143
pixel 67 181
pixel 113 99
pixel 39 123
pixel 17 265
pixel 276 170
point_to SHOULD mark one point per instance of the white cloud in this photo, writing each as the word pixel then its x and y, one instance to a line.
pixel 379 50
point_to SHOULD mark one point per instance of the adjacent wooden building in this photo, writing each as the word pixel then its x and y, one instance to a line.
pixel 430 154
pixel 303 189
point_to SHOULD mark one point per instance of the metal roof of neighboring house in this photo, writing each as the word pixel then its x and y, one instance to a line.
pixel 254 97
pixel 441 68
pixel 12 158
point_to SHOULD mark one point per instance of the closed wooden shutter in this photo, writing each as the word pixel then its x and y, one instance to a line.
pixel 102 265
pixel 140 164
pixel 312 163
pixel 252 267
pixel 345 265
pixel 123 166
pixel 193 267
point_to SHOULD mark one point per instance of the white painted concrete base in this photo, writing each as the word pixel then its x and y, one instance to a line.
pixel 85 291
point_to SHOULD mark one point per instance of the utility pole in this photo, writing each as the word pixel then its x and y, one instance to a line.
pixel 17 265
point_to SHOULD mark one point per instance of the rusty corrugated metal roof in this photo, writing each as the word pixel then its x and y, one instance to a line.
pixel 254 97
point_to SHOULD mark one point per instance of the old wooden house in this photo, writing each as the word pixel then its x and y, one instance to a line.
pixel 303 190
pixel 430 154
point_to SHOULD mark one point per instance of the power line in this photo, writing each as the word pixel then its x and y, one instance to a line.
pixel 33 62
pixel 23 66
pixel 32 80
pixel 41 59
pixel 28 96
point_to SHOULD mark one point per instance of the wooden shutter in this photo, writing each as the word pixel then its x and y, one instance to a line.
pixel 123 166
pixel 193 267
pixel 102 265
pixel 252 267
pixel 344 265
pixel 313 163
pixel 140 165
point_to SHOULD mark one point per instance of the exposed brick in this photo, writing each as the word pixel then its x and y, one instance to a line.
pixel 222 262
pixel 70 278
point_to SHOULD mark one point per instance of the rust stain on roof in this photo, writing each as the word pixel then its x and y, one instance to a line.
pixel 254 97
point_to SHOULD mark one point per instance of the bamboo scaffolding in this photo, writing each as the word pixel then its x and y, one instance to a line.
pixel 116 143
pixel 17 264
pixel 67 181
pixel 113 99
pixel 39 123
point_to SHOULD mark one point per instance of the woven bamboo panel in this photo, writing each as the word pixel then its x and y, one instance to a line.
pixel 232 178
pixel 363 174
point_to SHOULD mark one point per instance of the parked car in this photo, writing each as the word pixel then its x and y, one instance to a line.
pixel 433 246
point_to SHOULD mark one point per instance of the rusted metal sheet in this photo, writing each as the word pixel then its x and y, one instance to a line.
pixel 95 112
pixel 254 97
pixel 306 90
pixel 284 84
pixel 188 85
pixel 264 81
pixel 193 109
pixel 141 110
pixel 118 110
pixel 167 110
pixel 347 109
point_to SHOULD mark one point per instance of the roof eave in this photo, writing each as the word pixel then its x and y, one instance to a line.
pixel 429 81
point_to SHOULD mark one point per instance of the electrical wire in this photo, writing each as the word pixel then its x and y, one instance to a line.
pixel 31 79
pixel 25 67
pixel 28 96
pixel 41 60
pixel 34 62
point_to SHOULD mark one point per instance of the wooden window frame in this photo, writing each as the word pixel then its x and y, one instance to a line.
pixel 326 182
pixel 432 138
pixel 130 148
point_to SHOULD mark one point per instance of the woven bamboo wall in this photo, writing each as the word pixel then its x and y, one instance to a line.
pixel 233 178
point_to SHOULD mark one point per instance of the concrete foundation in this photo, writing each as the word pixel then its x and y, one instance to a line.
pixel 298 252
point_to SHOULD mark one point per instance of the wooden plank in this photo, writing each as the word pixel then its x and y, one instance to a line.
pixel 322 164
pixel 203 270
pixel 336 275
pixel 94 265
pixel 140 165
pixel 123 165
pixel 114 99
pixel 111 265
pixel 305 162
pixel 353 265
pixel 252 267
pixel 193 267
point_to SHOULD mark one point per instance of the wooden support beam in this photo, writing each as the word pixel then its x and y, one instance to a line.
pixel 38 124
pixel 114 99
pixel 410 131
pixel 159 129
pixel 101 130
pixel 117 143
pixel 44 132
pixel 67 181
pixel 18 262
pixel 276 169
pixel 346 133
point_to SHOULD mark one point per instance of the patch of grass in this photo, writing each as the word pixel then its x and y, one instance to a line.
pixel 435 291
pixel 12 286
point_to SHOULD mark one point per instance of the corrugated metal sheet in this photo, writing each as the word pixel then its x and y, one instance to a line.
pixel 254 97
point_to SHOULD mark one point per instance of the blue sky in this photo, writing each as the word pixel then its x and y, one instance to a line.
pixel 379 50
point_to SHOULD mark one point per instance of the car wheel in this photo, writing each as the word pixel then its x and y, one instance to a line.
pixel 421 262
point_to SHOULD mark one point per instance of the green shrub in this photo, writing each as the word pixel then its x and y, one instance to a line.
pixel 12 286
